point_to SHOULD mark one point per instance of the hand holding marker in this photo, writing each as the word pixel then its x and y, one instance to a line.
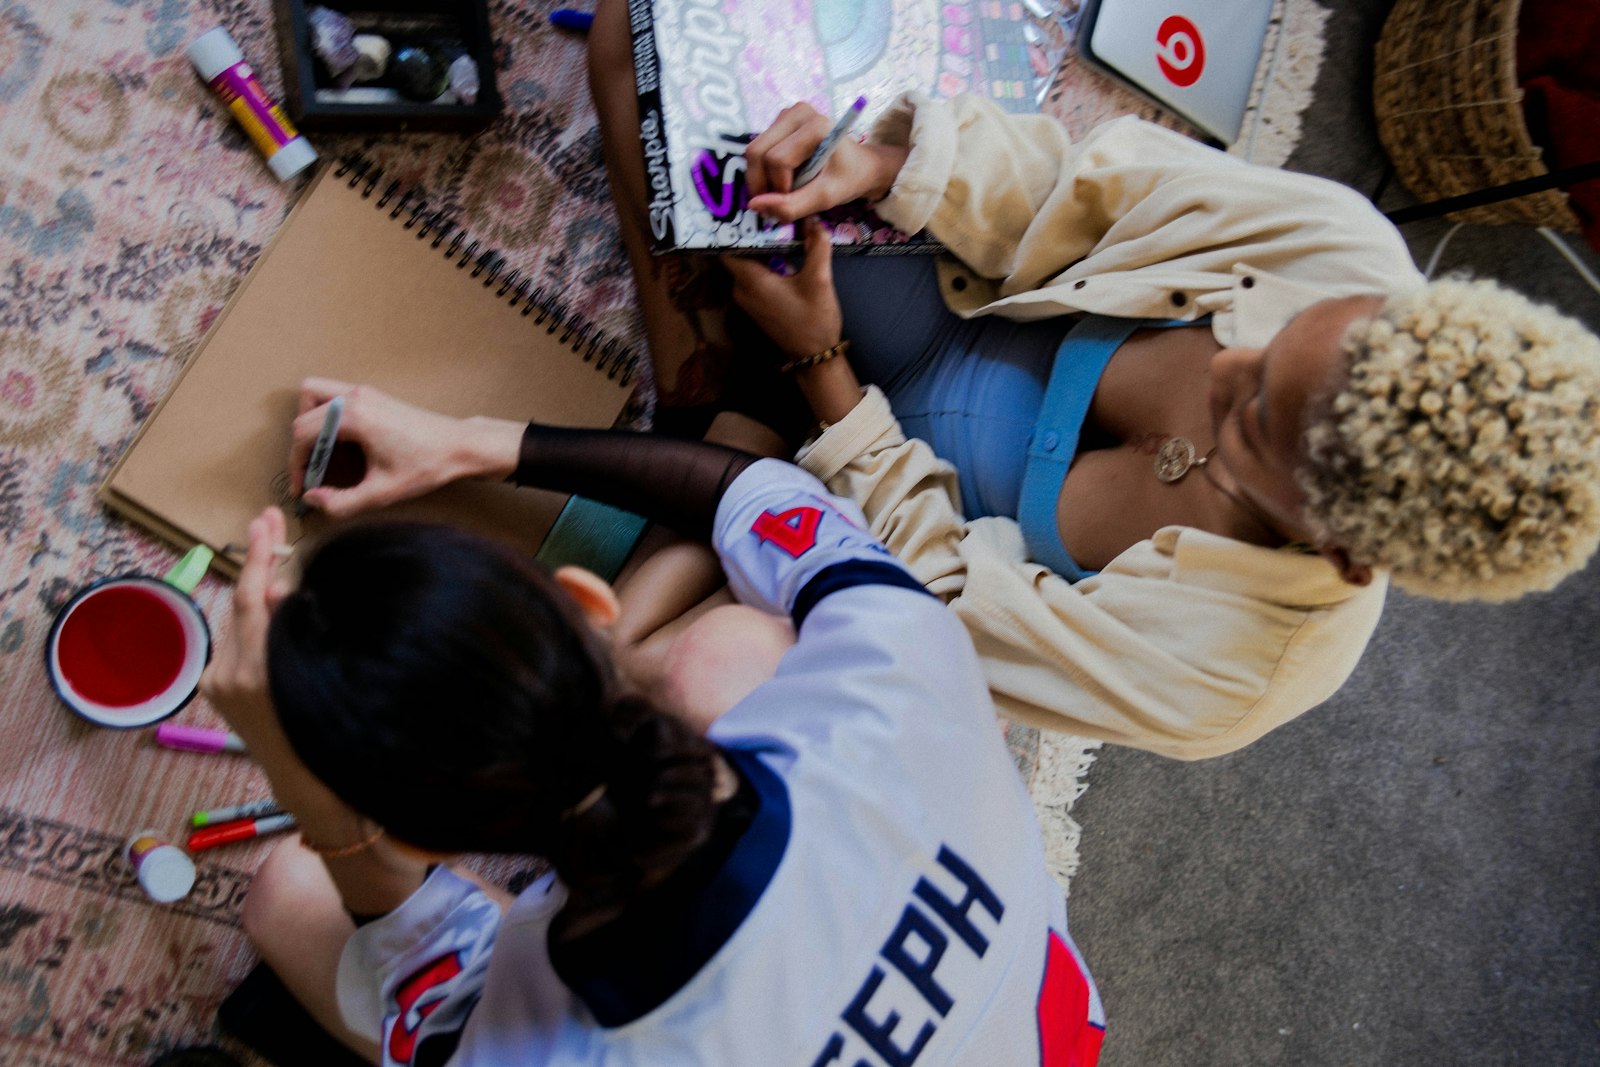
pixel 819 158
pixel 245 822
pixel 780 264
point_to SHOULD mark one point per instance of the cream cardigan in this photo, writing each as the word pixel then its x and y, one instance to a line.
pixel 1187 644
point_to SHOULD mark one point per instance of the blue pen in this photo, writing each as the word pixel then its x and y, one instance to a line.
pixel 819 158
pixel 565 18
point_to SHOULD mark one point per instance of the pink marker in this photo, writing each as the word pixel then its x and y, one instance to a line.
pixel 197 738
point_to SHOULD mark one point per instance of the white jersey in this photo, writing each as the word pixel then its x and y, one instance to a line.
pixel 890 900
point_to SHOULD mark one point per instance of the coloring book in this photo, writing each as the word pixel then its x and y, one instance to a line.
pixel 713 73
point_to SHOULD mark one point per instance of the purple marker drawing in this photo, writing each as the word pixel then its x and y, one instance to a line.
pixel 722 198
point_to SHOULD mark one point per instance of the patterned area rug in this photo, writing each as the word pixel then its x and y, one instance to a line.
pixel 130 207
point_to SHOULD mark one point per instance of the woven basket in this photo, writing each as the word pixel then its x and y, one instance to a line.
pixel 1450 110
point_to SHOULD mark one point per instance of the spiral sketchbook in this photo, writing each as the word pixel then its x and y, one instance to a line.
pixel 366 285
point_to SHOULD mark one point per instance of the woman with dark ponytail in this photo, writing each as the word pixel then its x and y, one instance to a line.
pixel 395 627
pixel 844 869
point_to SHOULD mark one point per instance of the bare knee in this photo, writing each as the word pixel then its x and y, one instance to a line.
pixel 290 883
pixel 719 659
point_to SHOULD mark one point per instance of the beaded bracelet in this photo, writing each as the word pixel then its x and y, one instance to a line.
pixel 811 361
pixel 343 851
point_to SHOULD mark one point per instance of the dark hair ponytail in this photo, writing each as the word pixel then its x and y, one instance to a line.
pixel 654 810
pixel 450 690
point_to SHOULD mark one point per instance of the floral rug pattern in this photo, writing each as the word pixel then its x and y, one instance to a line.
pixel 130 208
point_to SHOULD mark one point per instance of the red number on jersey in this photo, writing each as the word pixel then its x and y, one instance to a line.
pixel 403 1038
pixel 794 531
pixel 1066 1036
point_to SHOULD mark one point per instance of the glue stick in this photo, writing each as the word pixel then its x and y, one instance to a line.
pixel 222 66
pixel 164 870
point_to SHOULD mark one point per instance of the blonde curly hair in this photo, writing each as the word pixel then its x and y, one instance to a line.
pixel 1464 451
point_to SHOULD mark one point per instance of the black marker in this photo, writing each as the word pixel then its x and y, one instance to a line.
pixel 322 450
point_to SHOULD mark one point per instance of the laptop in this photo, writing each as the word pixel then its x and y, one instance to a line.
pixel 1196 57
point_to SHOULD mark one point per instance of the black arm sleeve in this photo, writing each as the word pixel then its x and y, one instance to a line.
pixel 673 482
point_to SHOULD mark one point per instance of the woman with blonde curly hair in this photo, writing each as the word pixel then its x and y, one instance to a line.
pixel 1461 450
pixel 1160 425
pixel 1448 438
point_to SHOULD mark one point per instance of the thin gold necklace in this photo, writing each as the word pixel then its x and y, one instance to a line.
pixel 1274 538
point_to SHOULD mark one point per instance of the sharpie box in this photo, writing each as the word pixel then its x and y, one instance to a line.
pixel 712 73
pixel 444 29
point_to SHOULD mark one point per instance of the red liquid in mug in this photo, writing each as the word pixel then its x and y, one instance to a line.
pixel 121 646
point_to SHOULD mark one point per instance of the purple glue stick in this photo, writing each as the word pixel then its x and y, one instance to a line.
pixel 197 738
pixel 221 65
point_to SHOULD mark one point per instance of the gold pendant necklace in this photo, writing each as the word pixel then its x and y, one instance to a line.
pixel 1176 457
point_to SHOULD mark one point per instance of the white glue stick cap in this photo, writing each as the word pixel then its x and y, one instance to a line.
pixel 291 159
pixel 166 872
pixel 213 52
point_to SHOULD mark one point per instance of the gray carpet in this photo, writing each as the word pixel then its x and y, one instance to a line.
pixel 1410 873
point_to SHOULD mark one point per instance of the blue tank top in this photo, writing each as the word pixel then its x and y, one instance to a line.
pixel 1080 361
pixel 1001 400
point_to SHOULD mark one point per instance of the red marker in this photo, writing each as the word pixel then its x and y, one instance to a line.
pixel 238 830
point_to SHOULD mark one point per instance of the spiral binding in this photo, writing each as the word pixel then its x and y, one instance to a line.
pixel 454 243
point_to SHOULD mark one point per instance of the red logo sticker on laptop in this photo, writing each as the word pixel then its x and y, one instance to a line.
pixel 1180 52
